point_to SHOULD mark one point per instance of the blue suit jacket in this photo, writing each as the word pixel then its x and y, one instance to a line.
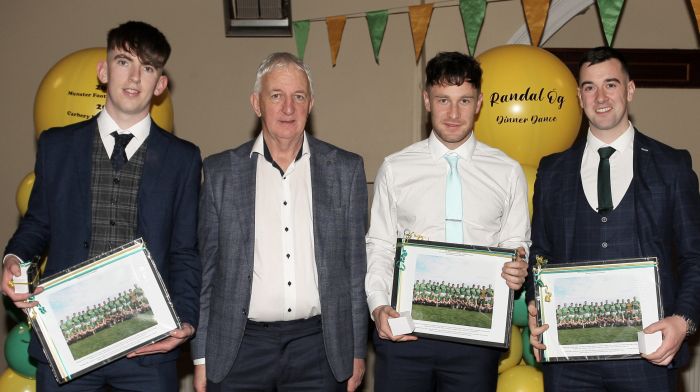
pixel 667 206
pixel 58 220
pixel 227 239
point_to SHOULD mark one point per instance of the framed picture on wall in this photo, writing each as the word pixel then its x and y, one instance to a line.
pixel 595 309
pixel 100 310
pixel 454 292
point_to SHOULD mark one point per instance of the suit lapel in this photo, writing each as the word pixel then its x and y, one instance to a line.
pixel 568 194
pixel 324 194
pixel 645 205
pixel 243 168
pixel 153 166
pixel 82 148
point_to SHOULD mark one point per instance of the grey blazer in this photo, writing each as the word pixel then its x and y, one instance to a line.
pixel 226 239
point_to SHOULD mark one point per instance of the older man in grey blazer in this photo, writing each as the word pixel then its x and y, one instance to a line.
pixel 281 232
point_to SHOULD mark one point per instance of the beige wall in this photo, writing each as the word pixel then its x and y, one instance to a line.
pixel 367 108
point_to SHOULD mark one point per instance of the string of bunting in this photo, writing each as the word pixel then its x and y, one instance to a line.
pixel 472 13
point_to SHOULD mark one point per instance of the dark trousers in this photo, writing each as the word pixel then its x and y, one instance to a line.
pixel 285 356
pixel 121 375
pixel 636 375
pixel 432 365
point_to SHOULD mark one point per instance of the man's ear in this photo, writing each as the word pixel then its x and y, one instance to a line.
pixel 426 100
pixel 102 72
pixel 161 85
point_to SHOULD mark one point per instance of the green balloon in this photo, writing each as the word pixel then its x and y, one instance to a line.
pixel 17 351
pixel 528 355
pixel 520 310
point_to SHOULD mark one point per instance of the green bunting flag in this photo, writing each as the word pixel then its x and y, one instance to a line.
pixel 376 22
pixel 473 12
pixel 609 11
pixel 301 35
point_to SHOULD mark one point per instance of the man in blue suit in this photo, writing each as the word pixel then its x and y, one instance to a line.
pixel 644 203
pixel 107 181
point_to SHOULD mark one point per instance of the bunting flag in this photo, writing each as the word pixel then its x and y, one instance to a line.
pixel 301 36
pixel 376 22
pixel 609 11
pixel 536 17
pixel 419 15
pixel 696 10
pixel 472 12
pixel 335 25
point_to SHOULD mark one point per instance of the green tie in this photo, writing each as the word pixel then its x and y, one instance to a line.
pixel 604 194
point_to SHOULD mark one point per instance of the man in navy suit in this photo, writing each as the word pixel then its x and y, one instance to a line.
pixel 647 206
pixel 107 181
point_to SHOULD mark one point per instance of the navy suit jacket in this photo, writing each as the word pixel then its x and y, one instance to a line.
pixel 667 207
pixel 58 220
pixel 227 239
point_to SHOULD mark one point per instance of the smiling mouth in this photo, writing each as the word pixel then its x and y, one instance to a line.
pixel 131 91
pixel 603 110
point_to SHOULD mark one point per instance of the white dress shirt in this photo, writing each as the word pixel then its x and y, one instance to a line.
pixel 107 125
pixel 285 279
pixel 409 197
pixel 621 167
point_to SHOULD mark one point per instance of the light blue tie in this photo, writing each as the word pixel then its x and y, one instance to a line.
pixel 453 203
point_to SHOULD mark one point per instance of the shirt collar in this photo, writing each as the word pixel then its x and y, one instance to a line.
pixel 439 150
pixel 107 125
pixel 260 148
pixel 622 143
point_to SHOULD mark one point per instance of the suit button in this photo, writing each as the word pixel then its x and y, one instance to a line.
pixel 112 223
pixel 604 244
pixel 86 244
pixel 115 180
pixel 604 219
pixel 243 310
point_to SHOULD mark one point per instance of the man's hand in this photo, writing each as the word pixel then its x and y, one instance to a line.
pixel 176 338
pixel 673 330
pixel 11 269
pixel 515 272
pixel 381 316
pixel 535 331
pixel 200 378
pixel 358 372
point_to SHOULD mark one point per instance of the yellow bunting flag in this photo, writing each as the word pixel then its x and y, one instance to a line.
pixel 696 9
pixel 335 25
pixel 536 16
pixel 419 16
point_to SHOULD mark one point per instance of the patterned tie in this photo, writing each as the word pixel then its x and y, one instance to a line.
pixel 604 193
pixel 453 203
pixel 119 153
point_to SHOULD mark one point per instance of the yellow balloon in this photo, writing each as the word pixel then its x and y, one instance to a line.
pixel 70 92
pixel 23 191
pixel 11 381
pixel 530 107
pixel 530 174
pixel 520 379
pixel 514 354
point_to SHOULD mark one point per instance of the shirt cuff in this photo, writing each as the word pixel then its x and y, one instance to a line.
pixel 199 361
pixel 376 300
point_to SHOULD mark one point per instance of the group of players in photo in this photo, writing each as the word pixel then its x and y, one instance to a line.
pixel 622 312
pixel 110 312
pixel 453 295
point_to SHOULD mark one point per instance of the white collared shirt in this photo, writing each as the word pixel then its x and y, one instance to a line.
pixel 285 279
pixel 409 197
pixel 621 167
pixel 107 125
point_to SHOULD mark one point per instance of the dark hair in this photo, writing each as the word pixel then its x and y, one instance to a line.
pixel 602 54
pixel 142 40
pixel 453 69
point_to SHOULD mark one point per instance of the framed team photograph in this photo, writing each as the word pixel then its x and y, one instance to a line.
pixel 454 292
pixel 595 309
pixel 100 310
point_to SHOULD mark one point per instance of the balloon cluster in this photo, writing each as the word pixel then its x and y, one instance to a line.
pixel 530 110
pixel 70 92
